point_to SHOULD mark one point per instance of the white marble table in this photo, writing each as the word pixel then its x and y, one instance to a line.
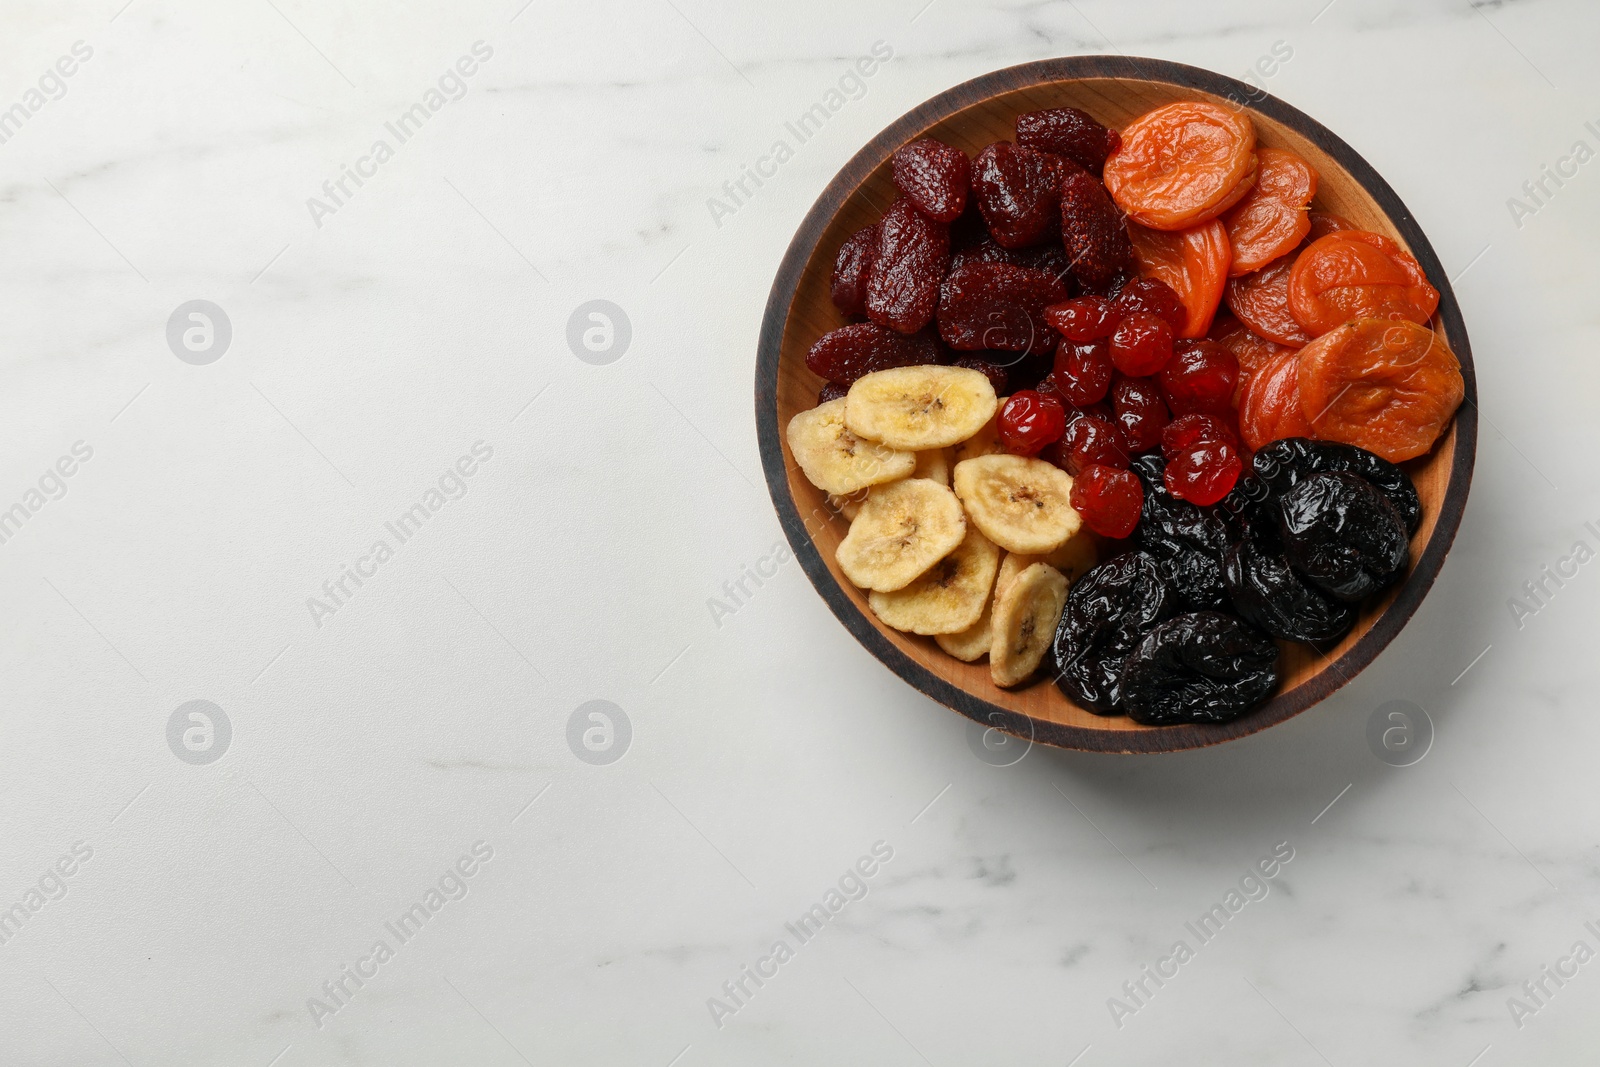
pixel 556 528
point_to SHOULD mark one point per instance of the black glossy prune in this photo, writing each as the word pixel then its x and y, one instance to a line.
pixel 1271 595
pixel 1284 464
pixel 1188 542
pixel 1204 667
pixel 1107 611
pixel 1343 535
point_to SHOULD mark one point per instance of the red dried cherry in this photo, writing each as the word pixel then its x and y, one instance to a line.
pixel 1090 439
pixel 1083 318
pixel 1082 372
pixel 1108 500
pixel 1203 460
pixel 1200 378
pixel 1156 297
pixel 1029 421
pixel 1141 344
pixel 1141 413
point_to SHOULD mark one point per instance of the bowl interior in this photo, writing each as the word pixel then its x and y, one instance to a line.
pixel 1041 710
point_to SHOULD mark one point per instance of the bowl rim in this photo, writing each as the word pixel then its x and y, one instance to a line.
pixel 1336 673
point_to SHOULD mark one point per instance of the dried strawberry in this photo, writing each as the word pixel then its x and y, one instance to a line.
pixel 831 391
pixel 1019 192
pixel 845 354
pixel 913 257
pixel 995 372
pixel 1092 229
pixel 1066 131
pixel 933 176
pixel 851 269
pixel 998 306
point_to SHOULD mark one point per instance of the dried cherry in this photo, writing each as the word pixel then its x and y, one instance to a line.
pixel 1193 263
pixel 1356 274
pixel 1092 229
pixel 1141 344
pixel 1109 500
pixel 1083 318
pixel 1029 421
pixel 1089 440
pixel 1200 378
pixel 1019 192
pixel 851 270
pixel 998 306
pixel 1107 611
pixel 1387 386
pixel 1140 411
pixel 845 354
pixel 1182 164
pixel 1082 372
pixel 1154 296
pixel 934 176
pixel 1066 131
pixel 1203 460
pixel 1272 218
pixel 1202 667
pixel 913 257
pixel 1343 535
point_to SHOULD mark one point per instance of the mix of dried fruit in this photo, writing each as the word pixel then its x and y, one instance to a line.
pixel 1142 345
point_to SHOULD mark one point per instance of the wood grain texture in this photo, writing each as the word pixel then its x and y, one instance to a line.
pixel 1115 89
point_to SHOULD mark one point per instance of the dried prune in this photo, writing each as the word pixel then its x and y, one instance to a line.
pixel 845 354
pixel 1019 192
pixel 934 176
pixel 1188 542
pixel 851 270
pixel 1202 667
pixel 1283 464
pixel 1066 131
pixel 1183 164
pixel 998 306
pixel 1108 610
pixel 1268 593
pixel 1343 535
pixel 913 258
pixel 1092 229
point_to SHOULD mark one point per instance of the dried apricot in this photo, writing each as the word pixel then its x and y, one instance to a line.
pixel 1270 408
pixel 1182 164
pixel 1251 350
pixel 1193 262
pixel 1273 217
pixel 1388 386
pixel 1261 301
pixel 1325 222
pixel 1357 274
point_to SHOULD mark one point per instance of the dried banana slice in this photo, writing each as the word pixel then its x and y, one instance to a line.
pixel 1021 504
pixel 904 528
pixel 920 407
pixel 1071 559
pixel 934 465
pixel 973 642
pixel 949 596
pixel 986 442
pixel 1024 623
pixel 849 505
pixel 836 460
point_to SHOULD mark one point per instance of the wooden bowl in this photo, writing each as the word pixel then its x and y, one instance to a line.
pixel 1115 89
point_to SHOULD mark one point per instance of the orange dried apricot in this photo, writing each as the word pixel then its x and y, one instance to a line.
pixel 1357 274
pixel 1325 222
pixel 1261 300
pixel 1273 217
pixel 1182 164
pixel 1386 385
pixel 1270 408
pixel 1251 350
pixel 1194 262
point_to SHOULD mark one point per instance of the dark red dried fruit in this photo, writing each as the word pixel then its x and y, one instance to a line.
pixel 1066 131
pixel 831 391
pixel 913 258
pixel 1029 421
pixel 995 372
pixel 1090 439
pixel 1142 344
pixel 1082 372
pixel 933 176
pixel 1019 192
pixel 998 306
pixel 1092 229
pixel 845 354
pixel 1200 378
pixel 851 270
pixel 1109 500
pixel 1141 413
pixel 1203 461
pixel 1156 297
pixel 1083 318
